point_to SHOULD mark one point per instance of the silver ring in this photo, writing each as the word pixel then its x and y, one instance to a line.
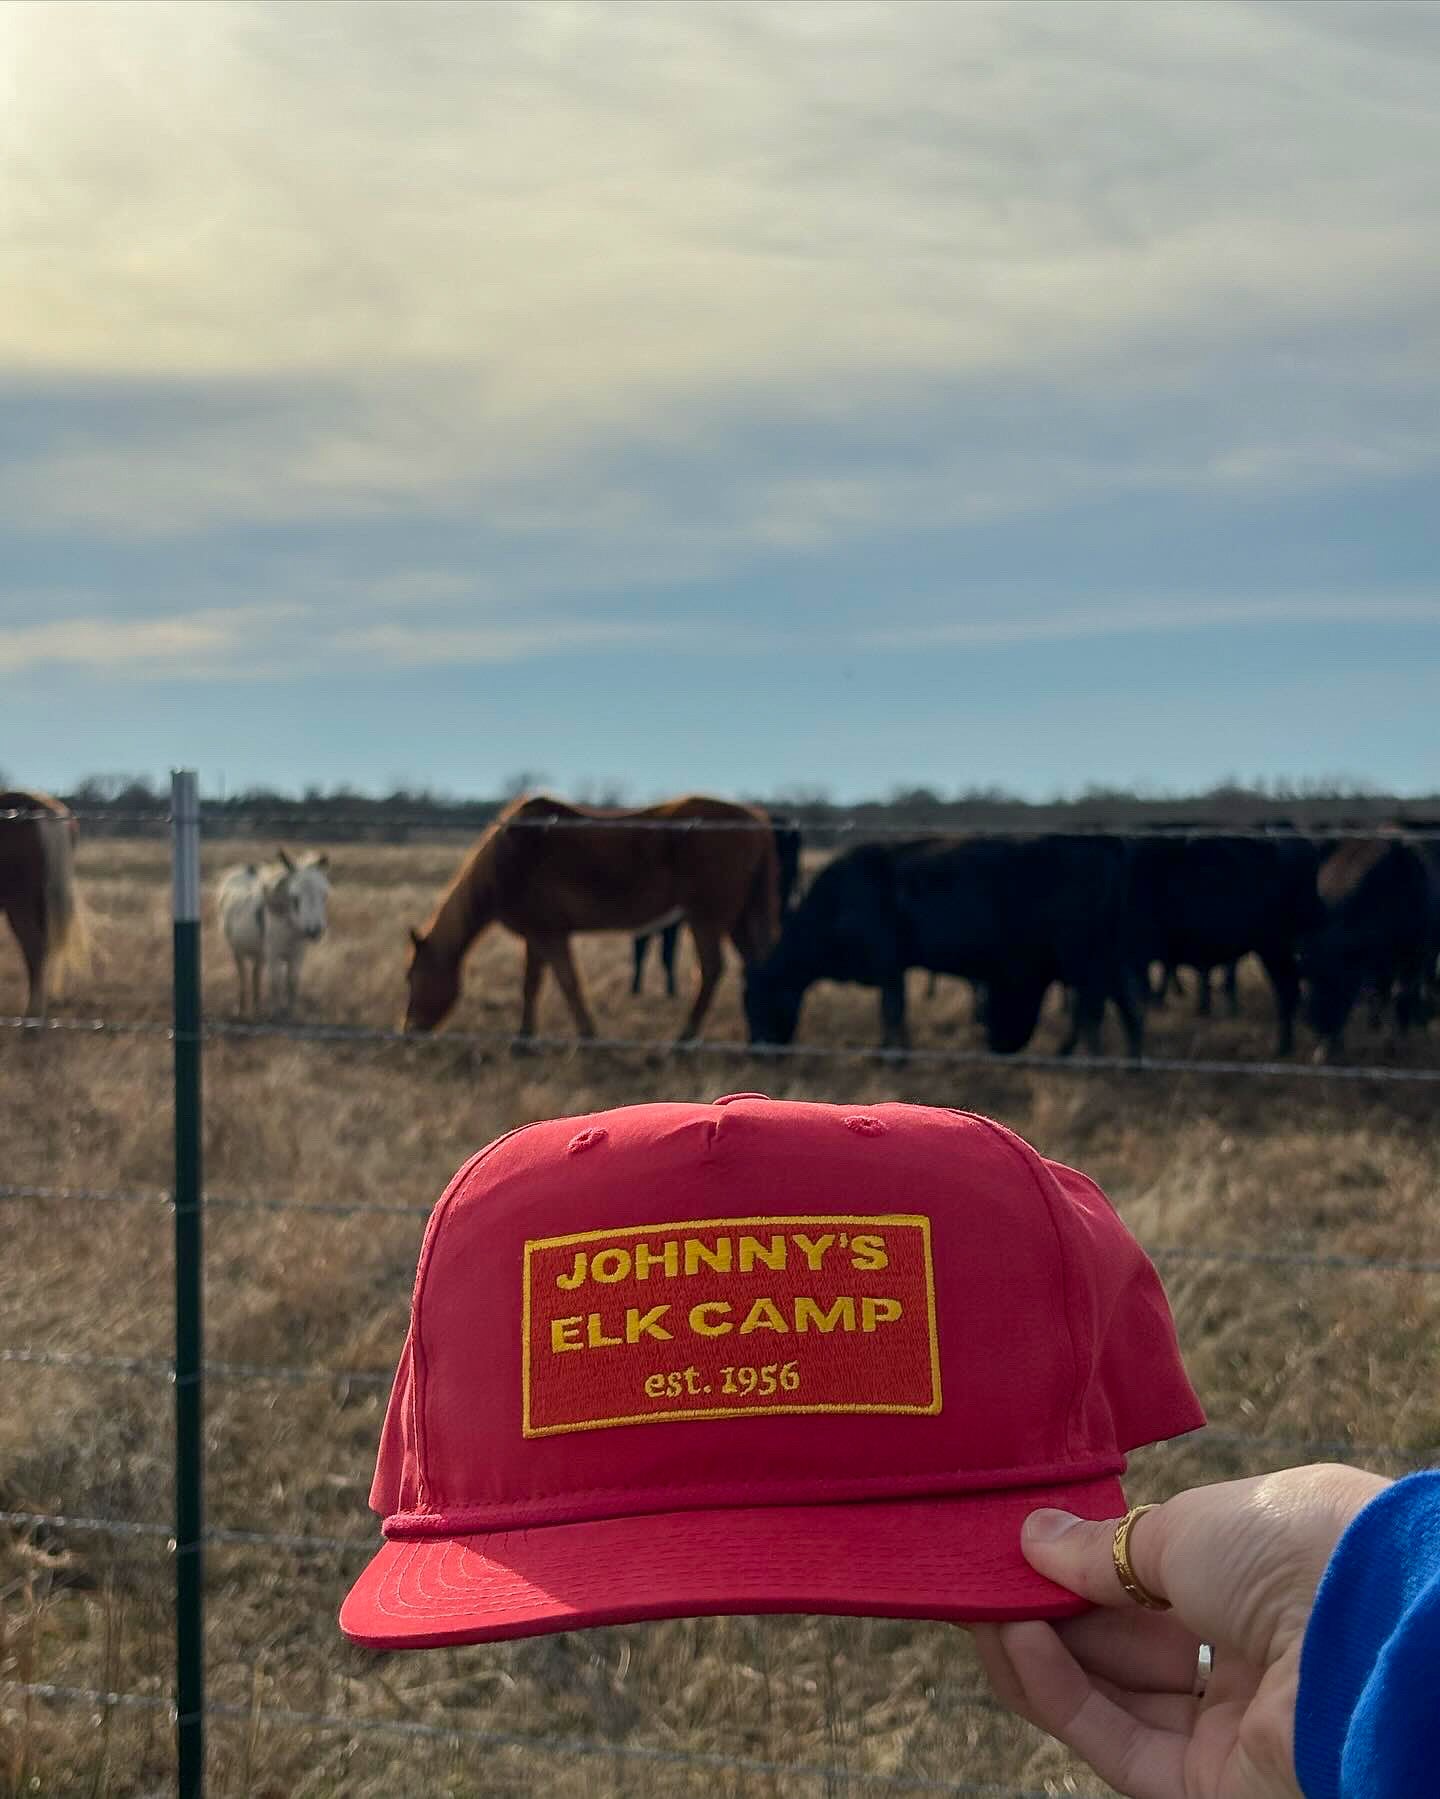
pixel 1204 1668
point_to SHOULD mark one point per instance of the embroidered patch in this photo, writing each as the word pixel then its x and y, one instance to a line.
pixel 729 1318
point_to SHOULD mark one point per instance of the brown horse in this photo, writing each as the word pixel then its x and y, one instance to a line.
pixel 635 870
pixel 37 888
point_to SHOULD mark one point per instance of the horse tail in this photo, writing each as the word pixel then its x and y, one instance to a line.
pixel 66 933
pixel 759 922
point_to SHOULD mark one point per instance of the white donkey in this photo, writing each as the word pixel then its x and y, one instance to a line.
pixel 271 915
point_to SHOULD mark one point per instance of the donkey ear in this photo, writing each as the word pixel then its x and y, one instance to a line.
pixel 416 938
pixel 286 859
pixel 321 862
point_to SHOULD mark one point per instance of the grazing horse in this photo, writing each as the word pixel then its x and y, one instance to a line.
pixel 788 843
pixel 635 870
pixel 271 915
pixel 37 889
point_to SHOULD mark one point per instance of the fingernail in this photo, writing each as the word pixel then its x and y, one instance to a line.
pixel 1046 1525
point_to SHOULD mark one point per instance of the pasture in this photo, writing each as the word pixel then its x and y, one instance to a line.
pixel 1283 1353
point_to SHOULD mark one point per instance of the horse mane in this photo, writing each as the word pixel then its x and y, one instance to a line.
pixel 468 903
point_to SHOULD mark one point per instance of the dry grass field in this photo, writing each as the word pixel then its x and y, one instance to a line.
pixel 1275 1350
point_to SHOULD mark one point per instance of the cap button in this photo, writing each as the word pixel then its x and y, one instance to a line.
pixel 728 1099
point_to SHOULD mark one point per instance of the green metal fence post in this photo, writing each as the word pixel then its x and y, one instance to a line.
pixel 189 1296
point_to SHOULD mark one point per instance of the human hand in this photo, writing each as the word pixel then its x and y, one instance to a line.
pixel 1239 1563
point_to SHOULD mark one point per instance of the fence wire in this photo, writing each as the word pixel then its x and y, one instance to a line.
pixel 360 1036
pixel 1411 1457
pixel 481 818
pixel 1216 1254
pixel 417 1730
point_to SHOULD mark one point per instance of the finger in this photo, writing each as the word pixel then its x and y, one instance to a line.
pixel 1148 1652
pixel 1079 1554
pixel 1138 1759
pixel 1004 1682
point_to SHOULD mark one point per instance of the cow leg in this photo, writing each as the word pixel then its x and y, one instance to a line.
pixel 669 940
pixel 894 1030
pixel 1087 1020
pixel 561 960
pixel 29 929
pixel 1130 1004
pixel 1279 965
pixel 712 965
pixel 640 949
pixel 1072 1033
pixel 534 980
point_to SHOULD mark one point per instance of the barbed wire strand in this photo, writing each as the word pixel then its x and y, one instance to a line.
pixel 1181 1252
pixel 153 1367
pixel 416 1729
pixel 1210 1437
pixel 359 1036
pixel 1392 824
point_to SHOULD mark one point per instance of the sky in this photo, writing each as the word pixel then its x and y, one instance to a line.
pixel 760 398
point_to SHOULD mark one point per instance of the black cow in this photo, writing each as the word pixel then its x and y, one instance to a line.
pixel 787 853
pixel 1379 933
pixel 1203 902
pixel 1012 914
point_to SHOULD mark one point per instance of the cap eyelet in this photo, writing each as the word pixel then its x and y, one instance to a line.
pixel 586 1139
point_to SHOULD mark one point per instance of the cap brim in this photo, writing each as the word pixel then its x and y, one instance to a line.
pixel 955 1558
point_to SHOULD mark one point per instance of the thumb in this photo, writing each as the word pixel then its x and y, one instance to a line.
pixel 1078 1553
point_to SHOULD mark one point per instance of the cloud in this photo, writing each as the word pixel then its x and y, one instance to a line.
pixel 1074 624
pixel 403 336
pixel 514 232
pixel 195 643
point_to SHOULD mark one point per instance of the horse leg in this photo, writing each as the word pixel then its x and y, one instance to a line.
pixel 640 948
pixel 535 978
pixel 669 939
pixel 242 976
pixel 712 965
pixel 29 929
pixel 563 963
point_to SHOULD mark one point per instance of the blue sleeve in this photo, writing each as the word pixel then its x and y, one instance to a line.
pixel 1367 1719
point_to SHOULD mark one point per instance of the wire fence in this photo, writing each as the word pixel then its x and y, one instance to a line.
pixel 186 1540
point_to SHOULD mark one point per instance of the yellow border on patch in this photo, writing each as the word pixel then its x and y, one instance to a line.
pixel 914 1219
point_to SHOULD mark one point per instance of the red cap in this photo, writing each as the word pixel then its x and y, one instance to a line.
pixel 757 1356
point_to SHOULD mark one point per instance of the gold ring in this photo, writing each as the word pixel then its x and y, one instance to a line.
pixel 1120 1550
